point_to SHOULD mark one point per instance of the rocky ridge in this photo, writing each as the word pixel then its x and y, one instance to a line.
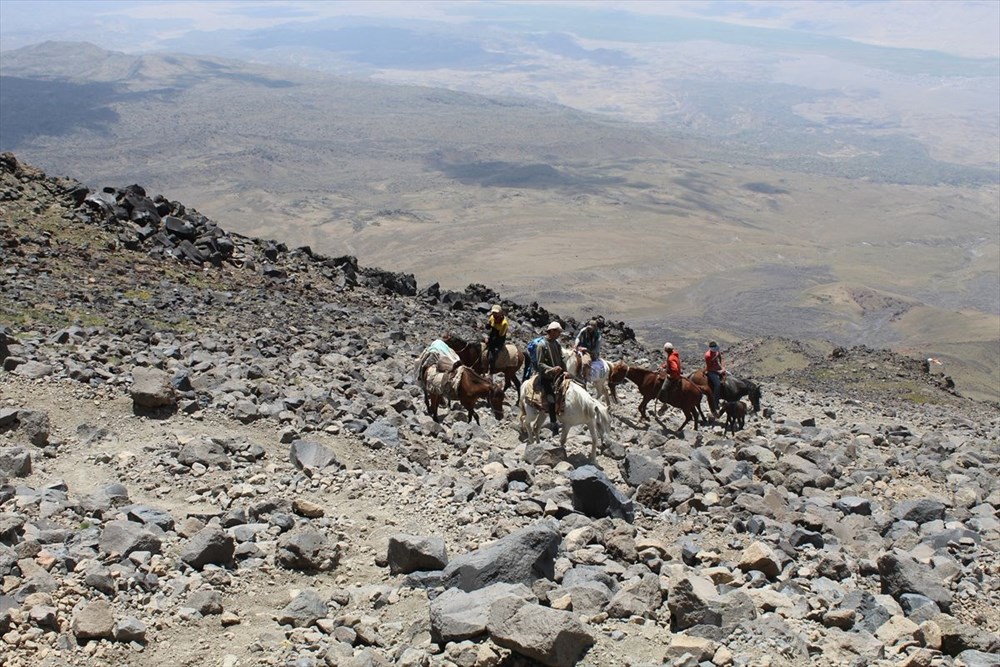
pixel 213 451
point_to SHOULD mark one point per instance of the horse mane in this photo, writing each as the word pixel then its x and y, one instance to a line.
pixel 455 338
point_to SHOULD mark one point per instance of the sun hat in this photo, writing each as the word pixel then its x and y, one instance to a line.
pixel 495 309
pixel 713 344
pixel 668 346
pixel 553 326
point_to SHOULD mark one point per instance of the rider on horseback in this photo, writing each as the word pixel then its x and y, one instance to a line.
pixel 715 372
pixel 551 367
pixel 673 368
pixel 589 339
pixel 497 325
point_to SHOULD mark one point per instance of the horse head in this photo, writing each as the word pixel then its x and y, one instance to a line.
pixel 495 397
pixel 453 341
pixel 617 374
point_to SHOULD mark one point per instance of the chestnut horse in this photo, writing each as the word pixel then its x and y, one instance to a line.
pixel 650 383
pixel 473 355
pixel 471 387
pixel 731 388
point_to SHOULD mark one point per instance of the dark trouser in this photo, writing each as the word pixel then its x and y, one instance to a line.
pixel 715 380
pixel 549 392
pixel 493 347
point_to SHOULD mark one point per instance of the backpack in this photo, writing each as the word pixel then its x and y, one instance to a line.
pixel 532 355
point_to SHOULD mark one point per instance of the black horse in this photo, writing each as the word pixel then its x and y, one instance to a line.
pixel 731 388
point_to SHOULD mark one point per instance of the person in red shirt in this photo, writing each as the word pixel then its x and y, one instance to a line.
pixel 673 368
pixel 714 370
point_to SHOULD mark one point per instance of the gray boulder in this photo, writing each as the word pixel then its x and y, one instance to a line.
pixel 94 621
pixel 304 610
pixel 35 426
pixel 151 389
pixel 919 511
pixel 210 545
pixel 206 603
pixel 693 601
pixel 551 637
pixel 311 456
pixel 306 549
pixel 15 462
pixel 901 573
pixel 410 553
pixel 130 629
pixel 521 557
pixel 457 615
pixel 595 495
pixel 124 537
pixel 638 597
pixel 641 466
pixel 206 452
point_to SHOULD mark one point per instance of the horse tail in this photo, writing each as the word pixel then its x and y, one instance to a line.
pixel 603 420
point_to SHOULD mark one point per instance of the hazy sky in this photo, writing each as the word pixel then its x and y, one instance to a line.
pixel 962 27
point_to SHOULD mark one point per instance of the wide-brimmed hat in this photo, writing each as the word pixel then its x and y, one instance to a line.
pixel 554 326
pixel 496 309
pixel 668 346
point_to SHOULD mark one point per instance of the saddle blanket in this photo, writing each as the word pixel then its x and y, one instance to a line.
pixel 443 383
pixel 437 355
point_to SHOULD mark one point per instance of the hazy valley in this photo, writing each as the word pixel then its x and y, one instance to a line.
pixel 826 232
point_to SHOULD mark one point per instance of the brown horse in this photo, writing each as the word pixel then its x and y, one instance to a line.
pixel 471 387
pixel 473 355
pixel 650 383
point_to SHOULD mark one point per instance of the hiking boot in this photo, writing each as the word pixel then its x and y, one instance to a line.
pixel 555 427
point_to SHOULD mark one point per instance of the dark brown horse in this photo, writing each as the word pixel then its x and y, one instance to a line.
pixel 473 355
pixel 687 398
pixel 471 387
pixel 731 389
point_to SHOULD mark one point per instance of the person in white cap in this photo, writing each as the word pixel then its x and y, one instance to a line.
pixel 551 366
pixel 497 325
pixel 672 366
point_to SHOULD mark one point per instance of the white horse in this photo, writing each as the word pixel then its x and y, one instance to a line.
pixel 597 373
pixel 580 409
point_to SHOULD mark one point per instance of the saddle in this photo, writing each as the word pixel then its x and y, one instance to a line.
pixel 505 357
pixel 535 393
pixel 666 388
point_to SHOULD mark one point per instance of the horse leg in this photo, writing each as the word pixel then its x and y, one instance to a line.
pixel 537 426
pixel 642 407
pixel 592 425
pixel 432 408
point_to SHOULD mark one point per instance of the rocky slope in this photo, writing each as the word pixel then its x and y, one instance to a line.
pixel 213 452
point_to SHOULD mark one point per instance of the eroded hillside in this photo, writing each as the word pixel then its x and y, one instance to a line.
pixel 291 503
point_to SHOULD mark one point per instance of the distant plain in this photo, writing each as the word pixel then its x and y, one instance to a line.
pixel 761 209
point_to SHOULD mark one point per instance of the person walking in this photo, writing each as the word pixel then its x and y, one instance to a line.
pixel 551 368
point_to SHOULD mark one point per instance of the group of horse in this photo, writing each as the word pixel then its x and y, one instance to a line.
pixel 475 383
